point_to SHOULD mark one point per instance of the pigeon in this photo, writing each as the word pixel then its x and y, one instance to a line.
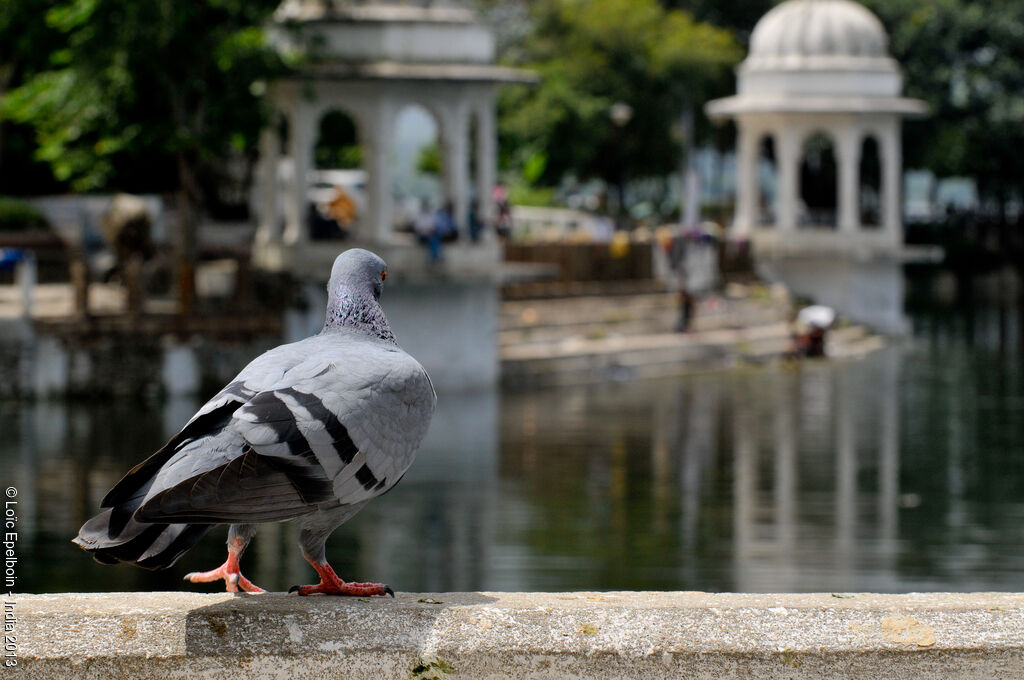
pixel 309 431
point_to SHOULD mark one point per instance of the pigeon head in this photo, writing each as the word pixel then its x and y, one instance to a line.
pixel 357 280
pixel 358 271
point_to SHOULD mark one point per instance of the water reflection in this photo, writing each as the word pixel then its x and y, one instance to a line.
pixel 901 471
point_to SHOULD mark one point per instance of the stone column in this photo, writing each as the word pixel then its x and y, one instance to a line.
pixel 486 161
pixel 746 180
pixel 787 150
pixel 892 175
pixel 301 133
pixel 267 188
pixel 849 150
pixel 377 132
pixel 455 155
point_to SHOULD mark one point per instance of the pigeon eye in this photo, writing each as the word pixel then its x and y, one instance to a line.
pixel 383 275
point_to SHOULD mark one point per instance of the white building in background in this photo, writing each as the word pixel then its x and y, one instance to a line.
pixel 371 60
pixel 818 66
pixel 818 84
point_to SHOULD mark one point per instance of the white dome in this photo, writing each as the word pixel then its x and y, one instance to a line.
pixel 817 29
pixel 818 56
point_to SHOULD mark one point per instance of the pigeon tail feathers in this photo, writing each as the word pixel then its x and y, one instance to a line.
pixel 137 481
pixel 115 535
pixel 151 546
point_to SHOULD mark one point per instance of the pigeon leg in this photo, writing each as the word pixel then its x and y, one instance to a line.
pixel 229 572
pixel 330 584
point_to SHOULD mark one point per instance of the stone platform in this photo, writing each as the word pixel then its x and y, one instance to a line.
pixel 592 339
pixel 163 636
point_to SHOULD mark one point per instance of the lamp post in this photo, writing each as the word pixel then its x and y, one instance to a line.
pixel 620 113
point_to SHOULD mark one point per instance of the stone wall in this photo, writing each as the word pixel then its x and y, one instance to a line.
pixel 867 291
pixel 162 636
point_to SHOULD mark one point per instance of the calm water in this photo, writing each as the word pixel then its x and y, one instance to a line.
pixel 900 471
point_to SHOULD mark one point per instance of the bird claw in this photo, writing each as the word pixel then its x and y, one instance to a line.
pixel 342 588
pixel 330 584
pixel 233 580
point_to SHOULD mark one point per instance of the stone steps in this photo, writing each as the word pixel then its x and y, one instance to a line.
pixel 578 360
pixel 592 339
pixel 562 289
pixel 594 318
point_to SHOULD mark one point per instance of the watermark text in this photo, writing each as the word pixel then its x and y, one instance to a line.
pixel 10 569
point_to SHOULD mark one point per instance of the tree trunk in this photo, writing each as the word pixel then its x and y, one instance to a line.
pixel 187 237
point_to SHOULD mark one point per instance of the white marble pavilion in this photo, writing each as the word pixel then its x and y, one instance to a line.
pixel 818 67
pixel 370 60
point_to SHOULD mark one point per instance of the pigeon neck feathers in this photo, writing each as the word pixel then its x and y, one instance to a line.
pixel 350 309
pixel 357 280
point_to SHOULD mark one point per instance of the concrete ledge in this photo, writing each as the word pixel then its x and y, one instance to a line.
pixel 519 635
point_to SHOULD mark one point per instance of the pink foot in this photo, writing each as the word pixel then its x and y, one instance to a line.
pixel 330 584
pixel 228 572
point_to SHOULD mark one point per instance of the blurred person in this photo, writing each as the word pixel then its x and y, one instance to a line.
pixel 321 226
pixel 425 226
pixel 127 228
pixel 503 225
pixel 499 194
pixel 693 266
pixel 675 248
pixel 476 225
pixel 444 223
pixel 810 328
pixel 342 208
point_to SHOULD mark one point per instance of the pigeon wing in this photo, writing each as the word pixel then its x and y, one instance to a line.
pixel 322 434
pixel 362 416
pixel 209 473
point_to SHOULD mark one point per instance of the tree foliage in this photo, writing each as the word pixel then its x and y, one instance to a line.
pixel 428 160
pixel 149 90
pixel 137 86
pixel 966 59
pixel 739 16
pixel 25 39
pixel 591 54
pixel 25 45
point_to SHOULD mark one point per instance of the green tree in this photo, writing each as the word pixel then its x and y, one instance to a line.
pixel 591 55
pixel 153 85
pixel 737 15
pixel 966 59
pixel 428 160
pixel 25 45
